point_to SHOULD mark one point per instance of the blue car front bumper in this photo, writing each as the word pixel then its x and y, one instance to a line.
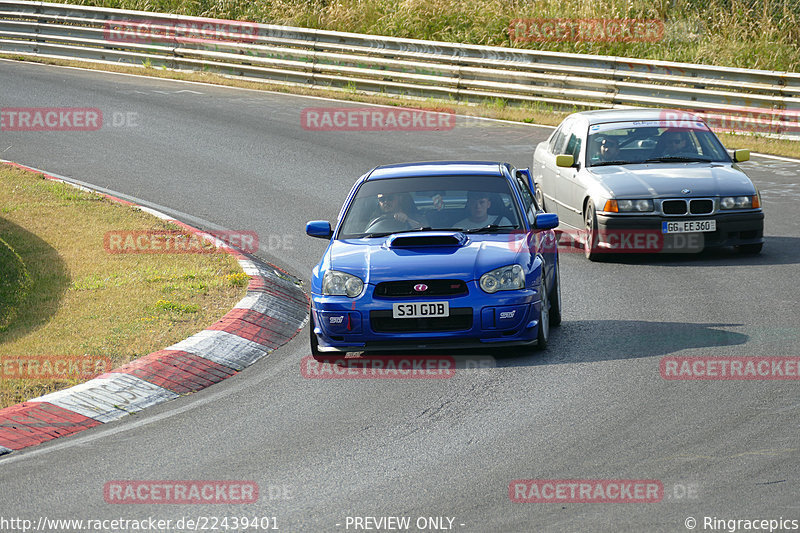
pixel 476 319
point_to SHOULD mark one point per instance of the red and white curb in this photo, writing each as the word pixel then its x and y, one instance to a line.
pixel 274 310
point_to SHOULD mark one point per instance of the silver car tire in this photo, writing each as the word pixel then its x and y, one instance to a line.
pixel 590 226
pixel 540 197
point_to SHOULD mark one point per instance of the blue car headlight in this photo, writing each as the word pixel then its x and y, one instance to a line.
pixel 507 278
pixel 336 283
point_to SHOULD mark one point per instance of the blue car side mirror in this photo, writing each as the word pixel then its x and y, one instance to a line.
pixel 319 228
pixel 545 221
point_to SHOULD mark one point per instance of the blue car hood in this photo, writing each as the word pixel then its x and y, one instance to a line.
pixel 374 261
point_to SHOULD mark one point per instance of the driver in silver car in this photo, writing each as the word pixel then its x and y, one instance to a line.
pixel 606 150
pixel 609 149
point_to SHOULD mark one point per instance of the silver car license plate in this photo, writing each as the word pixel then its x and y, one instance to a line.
pixel 689 226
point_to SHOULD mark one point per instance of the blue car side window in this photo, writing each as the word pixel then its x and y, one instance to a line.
pixel 527 200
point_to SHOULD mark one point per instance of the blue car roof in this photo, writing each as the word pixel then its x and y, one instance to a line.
pixel 437 168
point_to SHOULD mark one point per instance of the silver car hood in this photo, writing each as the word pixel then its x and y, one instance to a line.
pixel 661 180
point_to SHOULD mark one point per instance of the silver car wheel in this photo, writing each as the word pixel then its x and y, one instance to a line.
pixel 590 225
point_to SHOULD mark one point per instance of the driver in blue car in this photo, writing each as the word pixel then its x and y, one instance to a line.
pixel 478 204
pixel 400 208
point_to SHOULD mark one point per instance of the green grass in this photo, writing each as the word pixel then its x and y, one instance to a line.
pixel 14 283
pixel 77 300
pixel 762 34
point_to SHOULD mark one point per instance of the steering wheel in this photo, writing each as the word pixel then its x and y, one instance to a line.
pixel 384 218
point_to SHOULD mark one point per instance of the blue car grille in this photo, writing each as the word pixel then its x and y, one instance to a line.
pixel 382 322
pixel 433 287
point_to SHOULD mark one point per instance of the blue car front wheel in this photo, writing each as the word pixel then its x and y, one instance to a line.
pixel 543 334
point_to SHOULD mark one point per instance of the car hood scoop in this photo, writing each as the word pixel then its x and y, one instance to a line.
pixel 403 257
pixel 426 238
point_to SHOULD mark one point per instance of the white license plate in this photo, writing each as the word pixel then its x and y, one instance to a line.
pixel 421 310
pixel 689 226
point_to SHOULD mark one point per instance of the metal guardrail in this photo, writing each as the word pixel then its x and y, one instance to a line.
pixel 301 56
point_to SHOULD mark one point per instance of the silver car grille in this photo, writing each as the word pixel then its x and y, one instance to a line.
pixel 687 206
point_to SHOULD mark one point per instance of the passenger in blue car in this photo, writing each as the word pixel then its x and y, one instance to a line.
pixel 479 204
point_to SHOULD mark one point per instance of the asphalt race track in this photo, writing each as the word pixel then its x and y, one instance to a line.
pixel 594 406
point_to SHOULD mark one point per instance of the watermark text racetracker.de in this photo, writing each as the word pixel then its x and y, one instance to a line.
pixel 375 119
pixel 378 367
pixel 610 241
pixel 407 366
pixel 180 492
pixel 53 367
pixel 585 491
pixel 180 31
pixel 676 368
pixel 736 119
pixel 585 30
pixel 74 119
pixel 178 242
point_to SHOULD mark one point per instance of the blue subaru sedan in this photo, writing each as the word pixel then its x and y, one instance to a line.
pixel 436 255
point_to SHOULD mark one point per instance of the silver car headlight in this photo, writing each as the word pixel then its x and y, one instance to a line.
pixel 629 206
pixel 739 202
pixel 336 283
pixel 507 278
pixel 641 206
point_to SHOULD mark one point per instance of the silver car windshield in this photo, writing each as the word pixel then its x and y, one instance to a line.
pixel 652 142
pixel 463 203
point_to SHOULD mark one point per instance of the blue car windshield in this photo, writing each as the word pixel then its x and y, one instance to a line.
pixel 652 142
pixel 394 205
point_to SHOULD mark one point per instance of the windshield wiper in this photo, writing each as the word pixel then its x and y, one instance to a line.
pixel 386 233
pixel 604 163
pixel 426 228
pixel 491 228
pixel 669 159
